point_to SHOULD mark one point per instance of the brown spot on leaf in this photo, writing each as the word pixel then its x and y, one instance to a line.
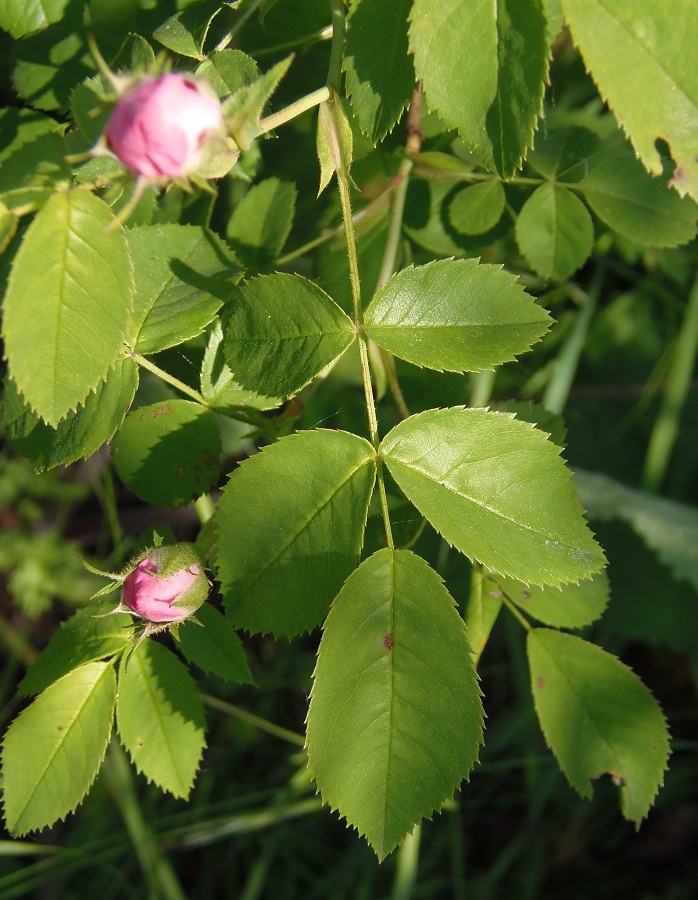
pixel 161 411
pixel 496 594
pixel 541 681
pixel 525 594
pixel 388 642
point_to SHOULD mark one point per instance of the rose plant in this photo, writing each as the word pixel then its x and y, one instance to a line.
pixel 429 502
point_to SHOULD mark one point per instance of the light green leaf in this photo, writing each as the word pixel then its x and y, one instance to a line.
pixel 30 176
pixel 160 718
pixel 85 637
pixel 641 56
pixel 668 528
pixel 20 17
pixel 218 385
pixel 53 750
pixel 183 275
pixel 634 204
pixel 459 315
pixel 598 717
pixel 379 72
pixel 91 107
pixel 481 611
pixel 228 70
pixel 290 528
pixel 20 126
pixel 395 719
pixel 185 32
pixel 215 647
pixel 261 222
pixel 569 606
pixel 243 109
pixel 476 209
pixel 8 226
pixel 554 232
pixel 168 453
pixel 81 433
pixel 484 66
pixel 68 303
pixel 496 489
pixel 334 142
pixel 280 331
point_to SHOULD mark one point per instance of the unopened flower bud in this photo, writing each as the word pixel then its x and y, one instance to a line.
pixel 161 127
pixel 167 584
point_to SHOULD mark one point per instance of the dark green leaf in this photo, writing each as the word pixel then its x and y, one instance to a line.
pixel 554 232
pixel 379 72
pixel 630 201
pixel 183 275
pixel 25 16
pixel 496 488
pixel 481 611
pixel 81 433
pixel 459 315
pixel 30 175
pixel 280 331
pixel 168 453
pixel 561 153
pixel 597 717
pixel 484 68
pixel 68 303
pixel 215 647
pixel 160 718
pixel 218 385
pixel 228 70
pixel 290 528
pixel 53 750
pixel 395 719
pixel 48 64
pixel 244 108
pixel 185 32
pixel 261 222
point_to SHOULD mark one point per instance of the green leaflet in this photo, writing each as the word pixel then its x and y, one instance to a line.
pixel 481 610
pixel 379 72
pixel 228 70
pixel 23 18
pixel 634 204
pixel 598 717
pixel 54 748
pixel 641 57
pixel 290 529
pixel 185 32
pixel 82 432
pixel 554 232
pixel 218 385
pixel 395 718
pixel 160 718
pixel 280 331
pixel 49 63
pixel 86 636
pixel 496 489
pixel 560 154
pixel 458 315
pixel 215 647
pixel 183 276
pixel 168 453
pixel 68 304
pixel 478 208
pixel 261 222
pixel 31 174
pixel 243 109
pixel 569 606
pixel 668 528
pixel 484 68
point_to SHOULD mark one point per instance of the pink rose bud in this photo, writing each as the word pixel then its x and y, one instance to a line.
pixel 161 126
pixel 165 586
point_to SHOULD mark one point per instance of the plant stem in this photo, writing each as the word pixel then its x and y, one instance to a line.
pixel 156 867
pixel 294 109
pixel 558 389
pixel 251 719
pixel 334 71
pixel 515 613
pixel 482 387
pixel 666 425
pixel 397 211
pixel 407 864
pixel 170 379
